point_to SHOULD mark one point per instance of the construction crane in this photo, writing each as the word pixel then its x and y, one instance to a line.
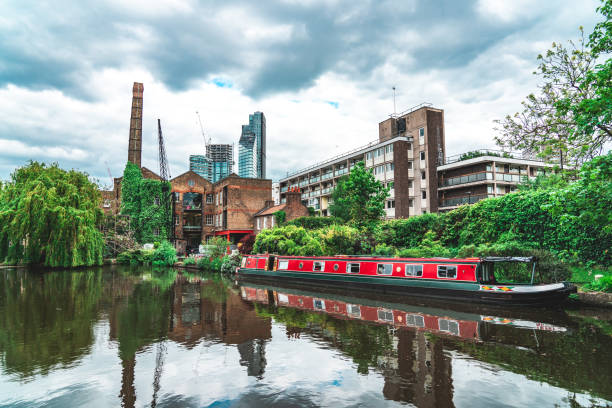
pixel 164 174
pixel 202 130
pixel 109 174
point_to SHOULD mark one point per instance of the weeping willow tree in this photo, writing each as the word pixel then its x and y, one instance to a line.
pixel 50 216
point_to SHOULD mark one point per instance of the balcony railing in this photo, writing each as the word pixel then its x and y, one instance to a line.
pixel 192 227
pixel 451 202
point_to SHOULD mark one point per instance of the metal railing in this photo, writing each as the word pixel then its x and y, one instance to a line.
pixel 502 154
pixel 409 110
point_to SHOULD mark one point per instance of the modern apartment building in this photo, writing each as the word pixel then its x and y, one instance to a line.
pixel 471 177
pixel 252 148
pixel 410 146
pixel 216 165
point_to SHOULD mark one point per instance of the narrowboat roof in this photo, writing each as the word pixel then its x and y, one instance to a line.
pixel 372 257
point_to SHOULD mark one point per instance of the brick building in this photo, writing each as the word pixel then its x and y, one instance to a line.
pixel 293 208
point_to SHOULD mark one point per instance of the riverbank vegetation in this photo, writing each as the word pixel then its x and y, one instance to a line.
pixel 50 216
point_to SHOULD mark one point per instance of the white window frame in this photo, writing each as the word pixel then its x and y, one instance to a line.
pixel 387 315
pixel 320 264
pixel 283 264
pixel 258 222
pixel 387 269
pixel 417 320
pixel 353 310
pixel 450 325
pixel 416 275
pixel 322 303
pixel 446 272
pixel 348 267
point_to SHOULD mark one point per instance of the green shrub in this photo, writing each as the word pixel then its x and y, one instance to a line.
pixel 135 257
pixel 384 250
pixel 339 239
pixel 288 240
pixel 230 263
pixel 204 263
pixel 603 284
pixel 164 255
pixel 216 263
pixel 189 261
pixel 315 222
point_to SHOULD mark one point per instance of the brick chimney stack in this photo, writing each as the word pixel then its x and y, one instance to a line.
pixel 135 144
pixel 294 196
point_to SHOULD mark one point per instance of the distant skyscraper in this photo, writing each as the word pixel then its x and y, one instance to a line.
pixel 252 147
pixel 216 165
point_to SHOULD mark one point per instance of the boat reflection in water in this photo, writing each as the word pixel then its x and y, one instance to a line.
pixel 469 326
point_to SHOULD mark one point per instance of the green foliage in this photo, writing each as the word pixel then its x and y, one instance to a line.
pixel 315 222
pixel 50 216
pixel 204 263
pixel 407 232
pixel 230 263
pixel 359 198
pixel 311 211
pixel 290 240
pixel 479 153
pixel 429 247
pixel 135 257
pixel 280 217
pixel 603 284
pixel 216 264
pixel 189 261
pixel 164 255
pixel 339 239
pixel 216 247
pixel 143 200
pixel 384 250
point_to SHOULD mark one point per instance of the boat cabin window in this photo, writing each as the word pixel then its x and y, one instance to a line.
pixel 270 263
pixel 414 270
pixel 415 320
pixel 385 315
pixel 447 271
pixel 352 268
pixel 318 266
pixel 283 264
pixel 449 326
pixel 487 274
pixel 301 265
pixel 353 310
pixel 319 304
pixel 384 269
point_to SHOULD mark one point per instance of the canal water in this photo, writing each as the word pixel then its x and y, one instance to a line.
pixel 136 337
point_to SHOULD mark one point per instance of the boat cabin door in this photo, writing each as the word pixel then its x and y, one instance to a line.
pixel 487 274
pixel 270 263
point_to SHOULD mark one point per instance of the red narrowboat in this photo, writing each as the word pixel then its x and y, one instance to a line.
pixel 470 278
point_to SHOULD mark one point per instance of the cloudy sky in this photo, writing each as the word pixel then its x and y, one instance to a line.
pixel 321 71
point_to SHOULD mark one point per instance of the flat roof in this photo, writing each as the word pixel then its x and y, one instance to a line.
pixel 486 158
pixel 344 156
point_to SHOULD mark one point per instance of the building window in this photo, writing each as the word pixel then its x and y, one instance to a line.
pixel 424 194
pixel 391 204
pixel 209 219
pixel 447 271
pixel 369 156
pixel 422 155
pixel 352 268
pixel 384 269
pixel 414 270
pixel 389 148
pixel 390 167
pixel 409 183
pixel 409 165
pixel 107 203
pixel 258 223
pixel 390 185
pixel 318 266
pixel 410 202
pixel 191 183
pixel 209 198
pixel 265 222
pixel 422 136
pixel 423 176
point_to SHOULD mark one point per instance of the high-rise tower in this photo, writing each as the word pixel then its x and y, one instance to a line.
pixel 252 147
pixel 135 146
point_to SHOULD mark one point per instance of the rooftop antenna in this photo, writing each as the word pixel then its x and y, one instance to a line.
pixel 394 111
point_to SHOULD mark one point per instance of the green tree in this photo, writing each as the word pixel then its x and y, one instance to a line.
pixel 545 126
pixel 593 115
pixel 50 216
pixel 359 198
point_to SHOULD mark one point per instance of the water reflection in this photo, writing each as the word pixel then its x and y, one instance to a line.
pixel 135 337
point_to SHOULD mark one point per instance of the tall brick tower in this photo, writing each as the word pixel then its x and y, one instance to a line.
pixel 135 147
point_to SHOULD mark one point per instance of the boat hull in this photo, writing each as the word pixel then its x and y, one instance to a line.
pixel 519 295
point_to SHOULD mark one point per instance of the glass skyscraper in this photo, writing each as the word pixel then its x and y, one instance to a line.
pixel 252 148
pixel 216 165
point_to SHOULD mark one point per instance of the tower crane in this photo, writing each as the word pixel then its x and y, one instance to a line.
pixel 202 130
pixel 109 174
